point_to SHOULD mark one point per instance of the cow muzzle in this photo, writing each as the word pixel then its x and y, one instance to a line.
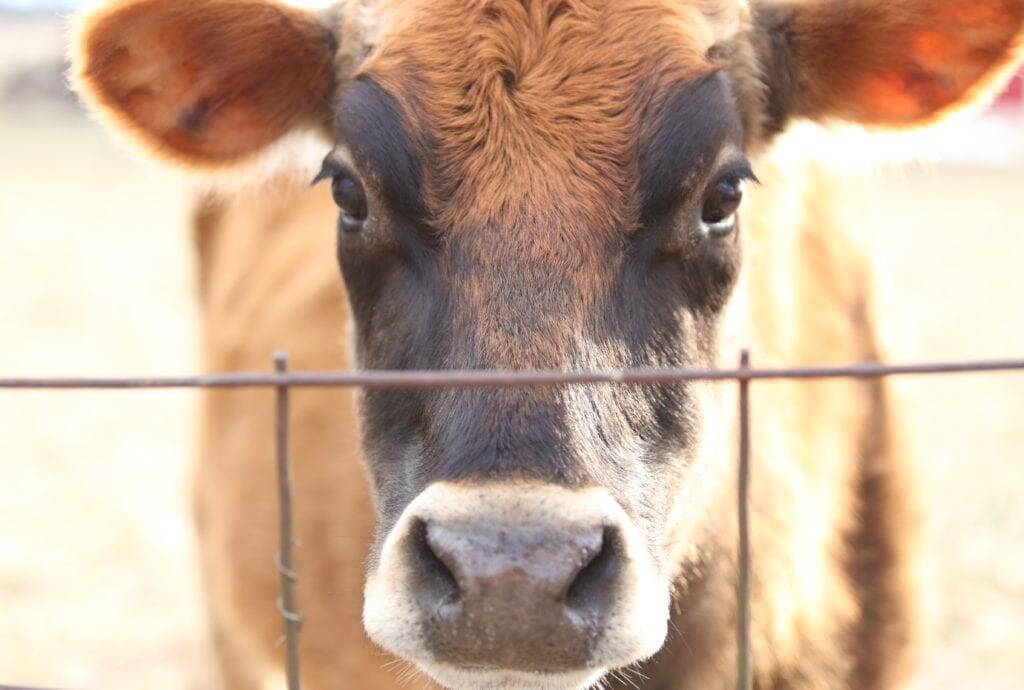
pixel 516 586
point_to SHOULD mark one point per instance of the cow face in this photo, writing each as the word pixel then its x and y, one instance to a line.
pixel 555 189
pixel 534 184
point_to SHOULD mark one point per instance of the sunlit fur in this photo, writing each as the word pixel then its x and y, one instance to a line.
pixel 532 108
pixel 805 491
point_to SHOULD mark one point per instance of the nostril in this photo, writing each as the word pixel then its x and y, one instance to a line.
pixel 435 585
pixel 593 589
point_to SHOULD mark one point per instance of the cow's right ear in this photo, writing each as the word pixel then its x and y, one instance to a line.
pixel 205 83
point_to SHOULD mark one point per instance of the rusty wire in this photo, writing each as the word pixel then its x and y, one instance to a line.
pixel 505 379
pixel 282 380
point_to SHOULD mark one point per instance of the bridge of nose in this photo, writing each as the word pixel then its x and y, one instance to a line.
pixel 502 437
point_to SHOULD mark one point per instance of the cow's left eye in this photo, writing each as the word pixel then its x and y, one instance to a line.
pixel 722 202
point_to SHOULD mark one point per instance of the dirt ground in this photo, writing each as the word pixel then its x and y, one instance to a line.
pixel 97 580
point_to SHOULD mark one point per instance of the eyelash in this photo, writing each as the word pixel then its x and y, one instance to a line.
pixel 738 172
pixel 330 169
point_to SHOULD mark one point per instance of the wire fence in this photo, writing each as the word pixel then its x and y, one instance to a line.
pixel 282 381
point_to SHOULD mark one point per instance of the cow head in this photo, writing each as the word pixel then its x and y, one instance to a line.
pixel 534 184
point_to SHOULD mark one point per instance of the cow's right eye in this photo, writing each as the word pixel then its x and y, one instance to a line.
pixel 348 194
pixel 351 199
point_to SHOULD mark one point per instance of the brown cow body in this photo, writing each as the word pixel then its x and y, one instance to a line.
pixel 833 600
pixel 538 185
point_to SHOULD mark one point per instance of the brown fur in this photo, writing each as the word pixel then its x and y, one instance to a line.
pixel 508 108
pixel 860 635
pixel 303 312
pixel 848 620
pixel 529 112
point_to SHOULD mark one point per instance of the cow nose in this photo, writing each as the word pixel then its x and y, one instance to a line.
pixel 525 597
pixel 516 584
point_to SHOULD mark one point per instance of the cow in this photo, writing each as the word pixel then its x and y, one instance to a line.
pixel 545 185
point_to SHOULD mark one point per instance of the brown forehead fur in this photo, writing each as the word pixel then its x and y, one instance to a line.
pixel 534 106
pixel 529 113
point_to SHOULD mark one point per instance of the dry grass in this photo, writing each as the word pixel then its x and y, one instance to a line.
pixel 97 581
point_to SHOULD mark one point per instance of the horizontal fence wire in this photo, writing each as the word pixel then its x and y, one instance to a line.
pixel 282 380
pixel 507 379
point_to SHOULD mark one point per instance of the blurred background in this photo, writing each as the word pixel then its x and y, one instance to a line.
pixel 97 579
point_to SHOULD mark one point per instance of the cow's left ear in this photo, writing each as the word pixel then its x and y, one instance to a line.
pixel 884 62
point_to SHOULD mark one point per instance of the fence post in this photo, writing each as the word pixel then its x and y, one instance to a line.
pixel 286 604
pixel 743 661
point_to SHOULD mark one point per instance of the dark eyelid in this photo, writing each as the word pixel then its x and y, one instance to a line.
pixel 372 124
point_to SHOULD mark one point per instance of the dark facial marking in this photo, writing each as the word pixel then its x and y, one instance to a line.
pixel 369 121
pixel 697 119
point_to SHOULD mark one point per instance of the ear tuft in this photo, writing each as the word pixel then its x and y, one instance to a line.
pixel 205 82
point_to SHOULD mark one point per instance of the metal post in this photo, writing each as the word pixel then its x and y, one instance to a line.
pixel 743 662
pixel 286 605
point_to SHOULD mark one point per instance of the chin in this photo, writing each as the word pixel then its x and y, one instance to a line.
pixel 455 678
